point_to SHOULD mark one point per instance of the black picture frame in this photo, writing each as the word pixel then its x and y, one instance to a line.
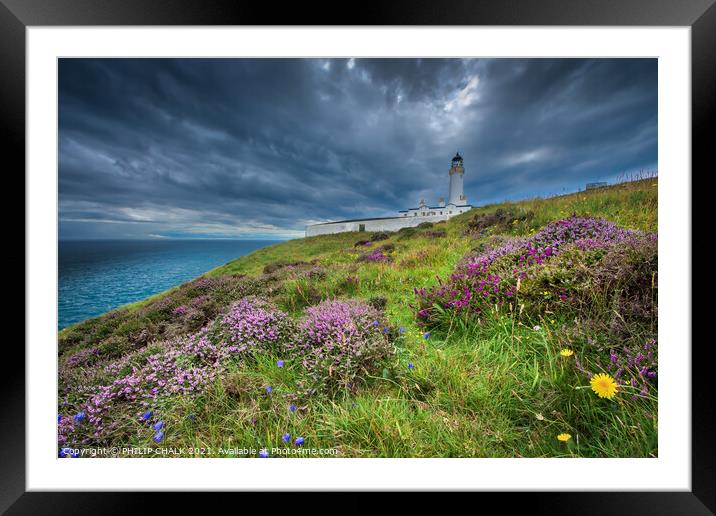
pixel 17 15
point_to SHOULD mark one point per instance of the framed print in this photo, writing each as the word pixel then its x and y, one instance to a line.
pixel 440 250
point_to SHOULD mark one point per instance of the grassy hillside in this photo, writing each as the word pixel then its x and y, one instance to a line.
pixel 485 336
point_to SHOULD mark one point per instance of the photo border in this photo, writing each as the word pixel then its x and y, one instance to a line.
pixel 700 16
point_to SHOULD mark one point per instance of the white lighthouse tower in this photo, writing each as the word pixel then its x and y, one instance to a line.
pixel 412 217
pixel 457 194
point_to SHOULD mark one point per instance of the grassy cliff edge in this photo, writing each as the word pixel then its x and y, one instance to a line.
pixel 485 336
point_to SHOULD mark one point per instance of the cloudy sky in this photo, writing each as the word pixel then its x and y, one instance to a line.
pixel 258 148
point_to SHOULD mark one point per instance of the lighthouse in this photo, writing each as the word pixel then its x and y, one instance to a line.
pixel 457 170
pixel 412 217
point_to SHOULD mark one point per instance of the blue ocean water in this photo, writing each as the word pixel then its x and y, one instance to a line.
pixel 96 276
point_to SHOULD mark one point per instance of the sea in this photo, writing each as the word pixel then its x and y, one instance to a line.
pixel 96 276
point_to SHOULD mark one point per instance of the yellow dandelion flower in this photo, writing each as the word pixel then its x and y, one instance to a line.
pixel 604 385
pixel 566 352
pixel 564 437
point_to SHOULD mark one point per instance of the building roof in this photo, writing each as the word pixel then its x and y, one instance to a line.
pixel 457 157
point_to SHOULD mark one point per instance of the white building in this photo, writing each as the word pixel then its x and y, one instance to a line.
pixel 457 203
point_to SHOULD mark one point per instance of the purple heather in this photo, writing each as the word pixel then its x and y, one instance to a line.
pixel 337 341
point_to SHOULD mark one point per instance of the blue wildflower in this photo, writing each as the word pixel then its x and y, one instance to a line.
pixel 426 335
pixel 299 441
pixel 402 329
pixel 159 425
pixel 292 407
pixel 269 389
pixel 386 329
pixel 375 323
pixel 64 452
pixel 263 453
pixel 410 365
pixel 79 417
pixel 146 415
pixel 59 418
pixel 286 437
pixel 279 363
pixel 158 437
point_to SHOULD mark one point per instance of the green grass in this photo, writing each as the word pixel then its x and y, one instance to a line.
pixel 496 388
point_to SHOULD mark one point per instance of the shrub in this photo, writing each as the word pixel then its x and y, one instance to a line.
pixel 622 286
pixel 499 220
pixel 341 342
pixel 439 233
pixel 316 273
pixel 405 233
pixel 185 365
pixel 182 365
pixel 492 276
pixel 273 267
pixel 376 256
pixel 83 357
pixel 378 302
pixel 159 307
pixel 379 236
pixel 254 325
pixel 114 346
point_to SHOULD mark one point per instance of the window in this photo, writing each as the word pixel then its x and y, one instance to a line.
pixel 361 227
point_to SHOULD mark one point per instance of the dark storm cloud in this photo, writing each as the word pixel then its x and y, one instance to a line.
pixel 261 147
